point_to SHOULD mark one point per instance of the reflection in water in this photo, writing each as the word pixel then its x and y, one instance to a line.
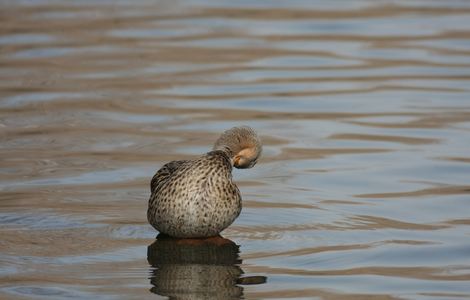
pixel 197 268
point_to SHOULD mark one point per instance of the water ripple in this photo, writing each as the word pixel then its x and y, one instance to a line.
pixel 362 106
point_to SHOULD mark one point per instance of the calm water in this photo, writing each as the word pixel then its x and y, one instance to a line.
pixel 363 191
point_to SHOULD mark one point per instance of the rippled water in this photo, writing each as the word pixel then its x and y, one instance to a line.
pixel 363 107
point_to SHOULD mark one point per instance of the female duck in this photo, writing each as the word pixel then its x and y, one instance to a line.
pixel 197 198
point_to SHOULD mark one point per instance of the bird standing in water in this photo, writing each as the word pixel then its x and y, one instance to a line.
pixel 197 198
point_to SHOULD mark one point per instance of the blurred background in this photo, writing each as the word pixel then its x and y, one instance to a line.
pixel 364 111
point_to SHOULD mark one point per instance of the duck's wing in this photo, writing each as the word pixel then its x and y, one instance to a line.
pixel 165 172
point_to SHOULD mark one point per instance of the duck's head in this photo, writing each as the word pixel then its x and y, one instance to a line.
pixel 242 146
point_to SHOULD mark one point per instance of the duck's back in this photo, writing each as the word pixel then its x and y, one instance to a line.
pixel 194 198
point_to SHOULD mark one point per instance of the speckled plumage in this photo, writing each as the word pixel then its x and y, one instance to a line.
pixel 197 198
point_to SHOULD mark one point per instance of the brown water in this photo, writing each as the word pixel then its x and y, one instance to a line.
pixel 363 106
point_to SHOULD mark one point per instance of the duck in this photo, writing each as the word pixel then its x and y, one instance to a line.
pixel 198 198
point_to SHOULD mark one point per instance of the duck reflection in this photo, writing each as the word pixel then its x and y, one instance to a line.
pixel 197 268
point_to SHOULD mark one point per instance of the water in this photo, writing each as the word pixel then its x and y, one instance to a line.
pixel 363 108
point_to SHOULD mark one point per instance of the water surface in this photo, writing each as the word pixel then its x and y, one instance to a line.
pixel 363 107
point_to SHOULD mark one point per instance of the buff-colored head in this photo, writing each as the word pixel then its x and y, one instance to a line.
pixel 242 146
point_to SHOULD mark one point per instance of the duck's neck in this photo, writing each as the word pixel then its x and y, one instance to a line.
pixel 227 150
pixel 224 155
